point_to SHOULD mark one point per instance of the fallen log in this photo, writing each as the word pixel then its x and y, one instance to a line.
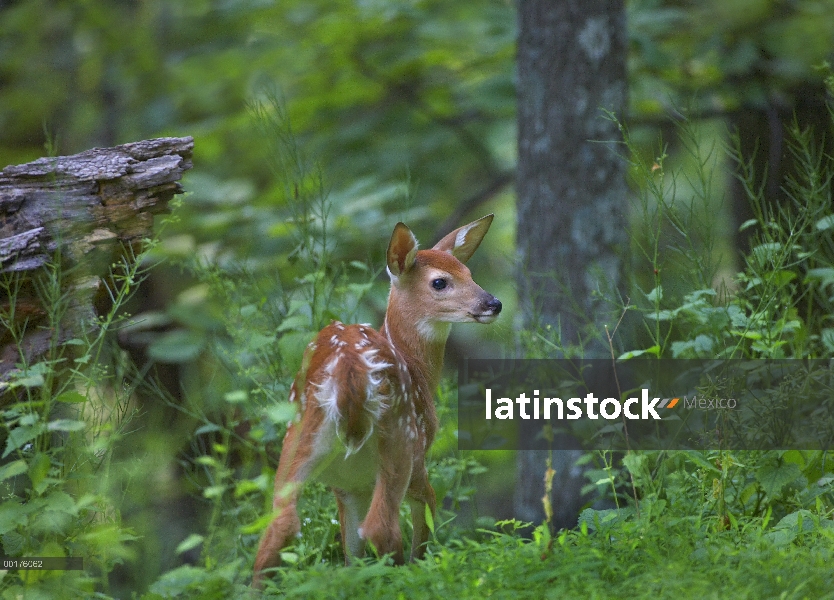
pixel 85 211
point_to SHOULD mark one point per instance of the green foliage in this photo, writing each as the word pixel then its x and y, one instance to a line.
pixel 604 558
pixel 778 306
pixel 731 53
pixel 685 524
pixel 689 523
pixel 61 420
pixel 381 90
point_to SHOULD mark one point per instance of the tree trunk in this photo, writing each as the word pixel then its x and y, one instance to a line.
pixel 83 210
pixel 572 196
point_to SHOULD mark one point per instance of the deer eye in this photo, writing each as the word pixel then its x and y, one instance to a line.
pixel 439 284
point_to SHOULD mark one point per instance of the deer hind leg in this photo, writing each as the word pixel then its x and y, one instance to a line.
pixel 420 495
pixel 352 507
pixel 293 467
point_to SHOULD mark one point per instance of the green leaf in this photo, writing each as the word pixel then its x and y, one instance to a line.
pixel 179 581
pixel 827 222
pixel 791 525
pixel 775 477
pixel 39 470
pixel 766 253
pixel 71 396
pixel 750 335
pixel 635 463
pixel 66 425
pixel 12 515
pixel 702 345
pixel 258 525
pixel 249 309
pixel 61 502
pixel 747 224
pixel 29 419
pixel 58 515
pixel 429 518
pixel 824 276
pixel 662 315
pixel 214 491
pixel 738 318
pixel 360 289
pixel 255 341
pixel 177 346
pixel 236 396
pixel 192 541
pixel 261 483
pixel 20 436
pixel 13 469
pixel 208 428
pixel 282 412
pixel 295 323
pixel 655 350
pixel 656 295
pixel 698 459
pixel 782 277
pixel 291 346
pixel 28 381
pixel 827 337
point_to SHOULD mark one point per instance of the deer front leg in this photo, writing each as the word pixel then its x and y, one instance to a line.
pixel 352 507
pixel 381 526
pixel 420 495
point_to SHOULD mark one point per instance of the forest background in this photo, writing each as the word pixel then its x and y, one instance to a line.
pixel 360 114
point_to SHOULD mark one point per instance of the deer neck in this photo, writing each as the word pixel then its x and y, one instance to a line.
pixel 421 343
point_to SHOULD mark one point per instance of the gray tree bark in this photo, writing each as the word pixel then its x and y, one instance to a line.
pixel 86 209
pixel 572 197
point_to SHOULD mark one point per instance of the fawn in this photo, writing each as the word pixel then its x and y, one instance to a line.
pixel 366 415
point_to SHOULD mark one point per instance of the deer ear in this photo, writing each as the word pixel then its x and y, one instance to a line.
pixel 402 250
pixel 463 241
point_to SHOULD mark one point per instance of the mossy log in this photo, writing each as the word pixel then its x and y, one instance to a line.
pixel 84 211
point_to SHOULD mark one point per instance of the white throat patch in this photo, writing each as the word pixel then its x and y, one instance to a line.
pixel 433 331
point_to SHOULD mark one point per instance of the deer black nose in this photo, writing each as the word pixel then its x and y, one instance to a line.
pixel 494 304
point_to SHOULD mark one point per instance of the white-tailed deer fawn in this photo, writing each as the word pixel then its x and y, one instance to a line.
pixel 366 402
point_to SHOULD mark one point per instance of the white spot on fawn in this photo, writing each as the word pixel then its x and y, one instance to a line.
pixel 328 391
pixel 328 397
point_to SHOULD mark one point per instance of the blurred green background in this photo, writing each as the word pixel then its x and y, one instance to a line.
pixel 405 108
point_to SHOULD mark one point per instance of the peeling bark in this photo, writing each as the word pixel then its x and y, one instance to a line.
pixel 86 209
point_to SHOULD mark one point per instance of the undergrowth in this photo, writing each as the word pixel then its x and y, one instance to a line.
pixel 686 524
pixel 62 417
